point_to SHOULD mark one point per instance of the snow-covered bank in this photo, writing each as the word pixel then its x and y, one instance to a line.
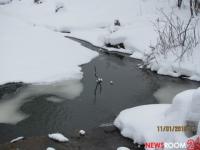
pixel 34 54
pixel 92 20
pixel 141 123
pixel 139 36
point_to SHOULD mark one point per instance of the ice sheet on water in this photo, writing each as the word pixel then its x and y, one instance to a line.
pixel 10 107
pixel 166 93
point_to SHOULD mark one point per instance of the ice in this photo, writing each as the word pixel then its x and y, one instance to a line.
pixel 166 93
pixel 63 90
pixel 109 124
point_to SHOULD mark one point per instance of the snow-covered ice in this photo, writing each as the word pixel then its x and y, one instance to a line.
pixel 58 137
pixel 10 107
pixel 166 92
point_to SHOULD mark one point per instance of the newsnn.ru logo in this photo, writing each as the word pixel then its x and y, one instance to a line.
pixel 189 145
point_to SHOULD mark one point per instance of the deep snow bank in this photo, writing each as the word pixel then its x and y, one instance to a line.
pixel 141 123
pixel 34 54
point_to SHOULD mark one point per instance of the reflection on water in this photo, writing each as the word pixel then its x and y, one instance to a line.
pixel 56 92
pixel 166 93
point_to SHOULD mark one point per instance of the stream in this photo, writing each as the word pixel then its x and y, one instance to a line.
pixel 68 106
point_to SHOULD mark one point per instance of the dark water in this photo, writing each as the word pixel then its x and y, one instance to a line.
pixel 90 106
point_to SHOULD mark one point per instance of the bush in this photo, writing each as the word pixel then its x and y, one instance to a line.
pixel 174 35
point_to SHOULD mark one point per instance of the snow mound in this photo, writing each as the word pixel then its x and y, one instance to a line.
pixel 58 137
pixel 141 123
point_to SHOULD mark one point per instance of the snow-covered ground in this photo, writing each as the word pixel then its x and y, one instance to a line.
pixel 32 53
pixel 91 20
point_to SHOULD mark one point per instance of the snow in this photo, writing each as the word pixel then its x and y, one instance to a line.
pixel 140 123
pixel 194 111
pixel 99 80
pixel 17 139
pixel 137 32
pixel 34 54
pixel 58 137
pixel 50 148
pixel 82 132
pixel 2 2
pixel 168 65
pixel 111 82
pixel 123 148
pixel 33 51
pixel 37 22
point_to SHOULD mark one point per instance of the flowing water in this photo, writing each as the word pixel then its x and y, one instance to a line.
pixel 68 106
